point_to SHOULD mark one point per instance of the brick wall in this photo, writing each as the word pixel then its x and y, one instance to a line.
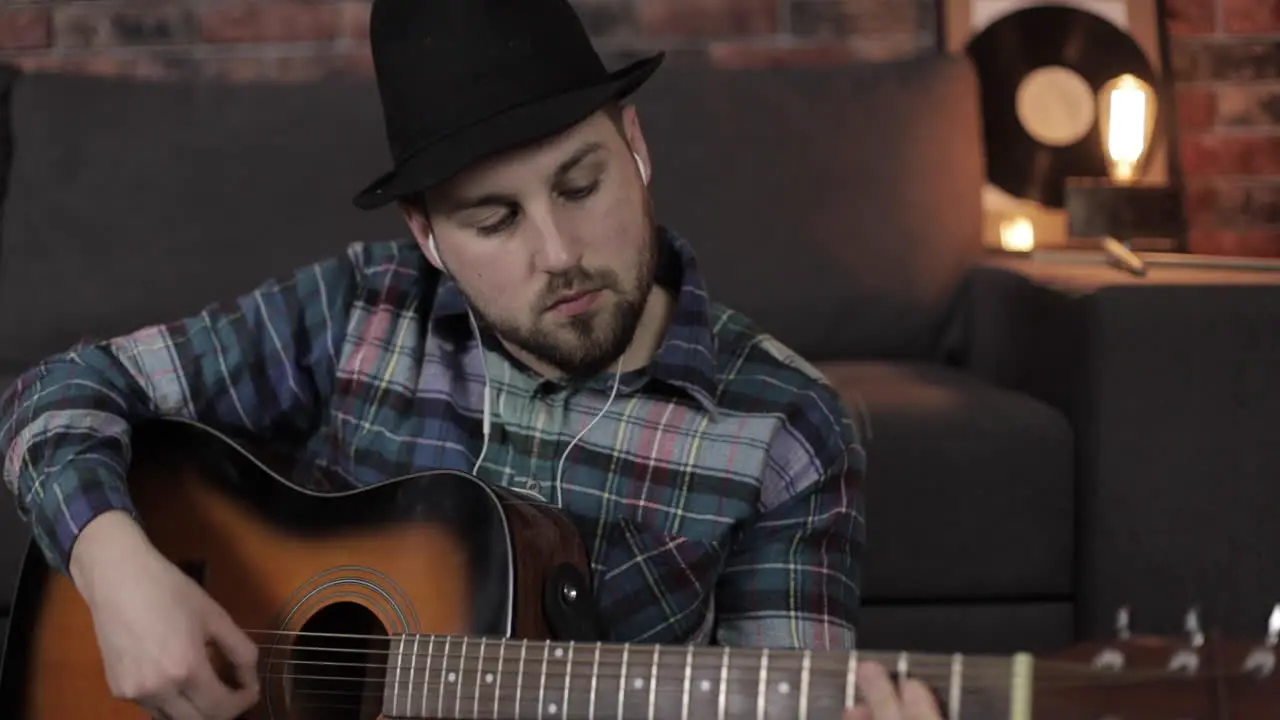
pixel 1226 60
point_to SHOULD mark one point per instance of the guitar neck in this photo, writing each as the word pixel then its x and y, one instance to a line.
pixel 431 676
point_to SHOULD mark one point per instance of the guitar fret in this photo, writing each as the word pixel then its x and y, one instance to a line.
pixel 595 674
pixel 394 686
pixel 724 684
pixel 764 680
pixel 413 682
pixel 804 685
pixel 444 668
pixel 524 649
pixel 497 683
pixel 568 679
pixel 622 680
pixel 851 681
pixel 688 676
pixel 542 681
pixel 426 675
pixel 462 662
pixel 653 681
pixel 475 708
pixel 954 687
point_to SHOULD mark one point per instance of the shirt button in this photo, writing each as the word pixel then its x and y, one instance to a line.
pixel 532 484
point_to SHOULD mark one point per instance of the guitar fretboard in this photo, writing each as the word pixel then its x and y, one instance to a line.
pixel 435 676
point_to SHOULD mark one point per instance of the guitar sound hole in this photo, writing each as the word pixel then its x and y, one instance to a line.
pixel 338 665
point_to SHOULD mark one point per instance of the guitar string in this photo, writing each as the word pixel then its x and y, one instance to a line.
pixel 434 693
pixel 749 678
pixel 534 699
pixel 465 689
pixel 983 674
pixel 631 647
pixel 1068 675
pixel 473 663
pixel 610 653
pixel 530 701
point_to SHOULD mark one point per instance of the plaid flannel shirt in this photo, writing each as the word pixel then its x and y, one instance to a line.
pixel 719 497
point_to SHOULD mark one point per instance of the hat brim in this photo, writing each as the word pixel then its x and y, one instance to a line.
pixel 517 127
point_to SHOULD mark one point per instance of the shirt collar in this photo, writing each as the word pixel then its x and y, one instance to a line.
pixel 686 358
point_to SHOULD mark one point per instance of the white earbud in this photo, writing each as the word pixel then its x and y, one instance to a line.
pixel 435 251
pixel 644 172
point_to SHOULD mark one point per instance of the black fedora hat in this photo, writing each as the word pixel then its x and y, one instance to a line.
pixel 461 80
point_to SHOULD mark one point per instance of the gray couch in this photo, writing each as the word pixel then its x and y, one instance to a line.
pixel 839 208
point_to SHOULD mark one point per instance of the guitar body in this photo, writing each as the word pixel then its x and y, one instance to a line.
pixel 318 581
pixel 417 599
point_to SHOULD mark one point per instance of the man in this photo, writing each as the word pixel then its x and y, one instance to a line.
pixel 540 330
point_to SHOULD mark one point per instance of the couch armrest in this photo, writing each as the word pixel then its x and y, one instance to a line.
pixel 1172 385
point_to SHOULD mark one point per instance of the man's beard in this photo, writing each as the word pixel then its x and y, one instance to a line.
pixel 597 337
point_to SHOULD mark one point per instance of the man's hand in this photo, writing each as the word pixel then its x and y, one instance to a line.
pixel 153 625
pixel 883 701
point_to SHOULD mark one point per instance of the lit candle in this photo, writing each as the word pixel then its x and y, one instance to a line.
pixel 1018 234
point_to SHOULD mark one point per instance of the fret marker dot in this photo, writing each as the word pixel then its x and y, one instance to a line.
pixel 784 688
pixel 639 683
pixel 551 708
pixel 453 677
pixel 488 678
pixel 705 686
pixel 559 653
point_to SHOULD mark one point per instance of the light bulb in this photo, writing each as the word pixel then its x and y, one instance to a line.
pixel 1126 127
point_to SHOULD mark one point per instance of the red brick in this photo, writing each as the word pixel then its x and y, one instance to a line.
pixel 1247 243
pixel 1201 202
pixel 25 28
pixel 307 68
pixel 272 22
pixel 135 22
pixel 607 18
pixel 756 55
pixel 1211 155
pixel 1233 203
pixel 1191 17
pixel 841 18
pixel 249 68
pixel 700 18
pixel 286 68
pixel 1255 204
pixel 355 20
pixel 1197 108
pixel 888 47
pixel 1251 17
pixel 1249 104
pixel 360 61
pixel 104 64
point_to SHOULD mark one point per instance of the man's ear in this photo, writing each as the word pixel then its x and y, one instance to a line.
pixel 415 217
pixel 635 138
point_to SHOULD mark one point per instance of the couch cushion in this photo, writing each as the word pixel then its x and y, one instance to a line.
pixel 968 627
pixel 970 490
pixel 14 536
pixel 838 207
pixel 173 196
pixel 14 539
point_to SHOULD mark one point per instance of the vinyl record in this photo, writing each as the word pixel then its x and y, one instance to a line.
pixel 1018 44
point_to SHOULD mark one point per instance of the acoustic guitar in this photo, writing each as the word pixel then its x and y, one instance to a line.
pixel 438 596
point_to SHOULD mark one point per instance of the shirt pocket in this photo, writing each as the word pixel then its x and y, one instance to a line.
pixel 653 586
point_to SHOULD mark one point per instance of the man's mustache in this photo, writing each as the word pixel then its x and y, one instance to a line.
pixel 575 281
